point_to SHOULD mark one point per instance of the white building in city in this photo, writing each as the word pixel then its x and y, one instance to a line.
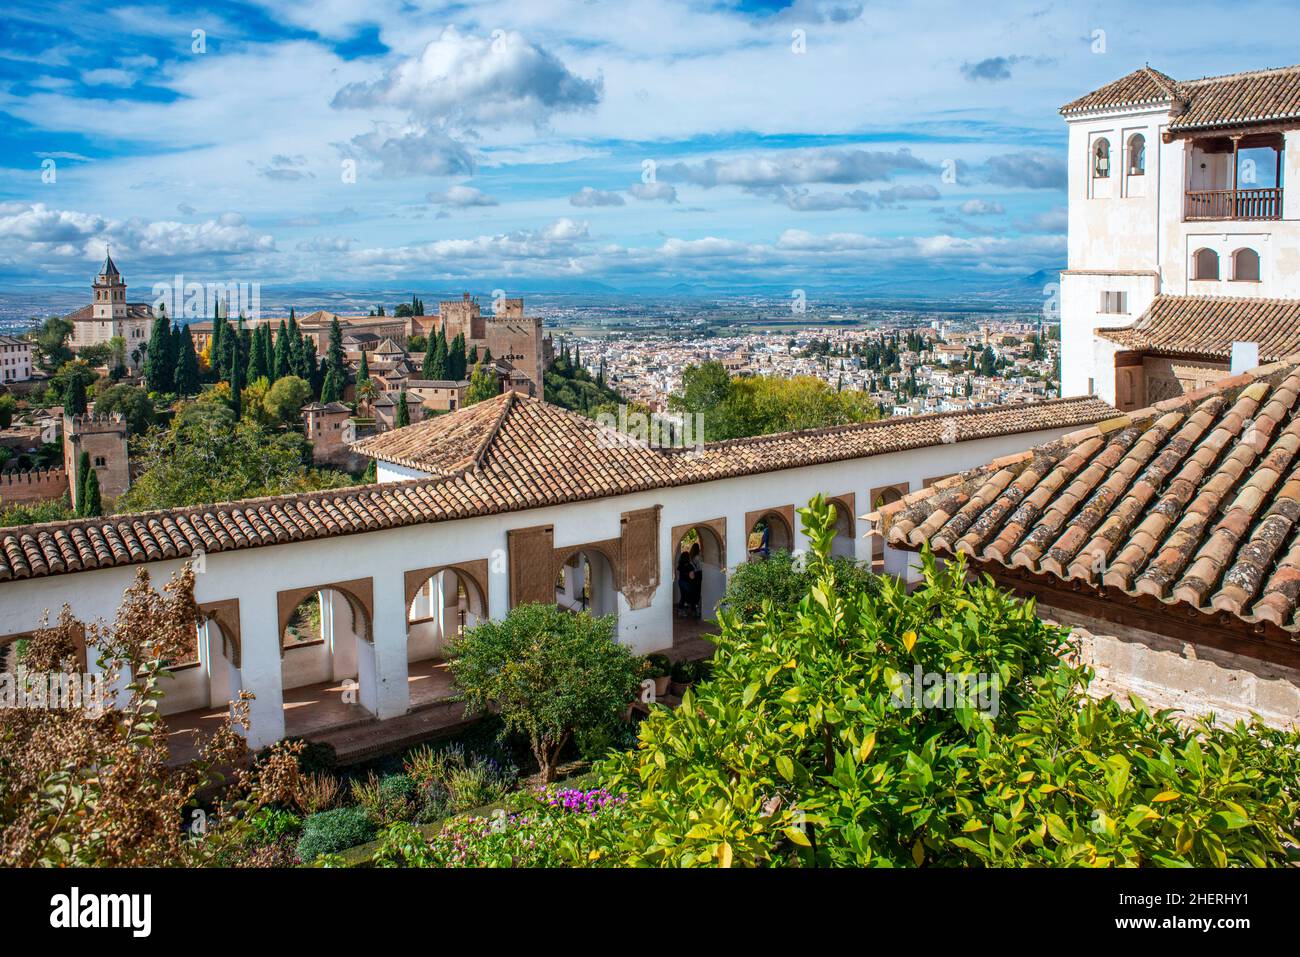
pixel 15 359
pixel 1183 238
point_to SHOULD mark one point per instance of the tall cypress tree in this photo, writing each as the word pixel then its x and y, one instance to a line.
pixel 456 358
pixel 426 368
pixel 159 372
pixel 403 412
pixel 334 355
pixel 92 503
pixel 236 375
pixel 281 356
pixel 257 357
pixel 187 365
pixel 83 469
pixel 437 367
pixel 363 370
pixel 216 350
pixel 74 401
pixel 268 350
pixel 330 390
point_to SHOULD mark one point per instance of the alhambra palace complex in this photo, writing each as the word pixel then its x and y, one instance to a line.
pixel 1155 508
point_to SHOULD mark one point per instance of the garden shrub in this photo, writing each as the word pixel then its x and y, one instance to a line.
pixel 385 800
pixel 784 579
pixel 271 825
pixel 545 828
pixel 450 779
pixel 332 831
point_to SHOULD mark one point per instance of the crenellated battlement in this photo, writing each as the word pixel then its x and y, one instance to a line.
pixel 91 422
pixel 32 485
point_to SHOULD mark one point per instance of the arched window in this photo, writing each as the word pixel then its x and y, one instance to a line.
pixel 1137 154
pixel 1245 265
pixel 1205 264
pixel 1101 158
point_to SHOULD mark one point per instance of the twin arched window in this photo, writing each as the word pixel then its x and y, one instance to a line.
pixel 1101 159
pixel 1137 155
pixel 1205 264
pixel 1245 265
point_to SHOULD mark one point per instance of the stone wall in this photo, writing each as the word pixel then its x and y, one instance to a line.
pixel 37 485
pixel 1168 673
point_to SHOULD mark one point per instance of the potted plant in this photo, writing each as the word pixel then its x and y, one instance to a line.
pixel 684 674
pixel 660 669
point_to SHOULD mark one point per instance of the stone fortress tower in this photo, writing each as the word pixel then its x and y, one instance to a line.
pixel 103 438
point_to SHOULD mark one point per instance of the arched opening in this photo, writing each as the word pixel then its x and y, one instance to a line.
pixel 585 581
pixel 327 661
pixel 769 533
pixel 844 544
pixel 1205 264
pixel 1245 265
pixel 699 576
pixel 1101 159
pixel 881 497
pixel 448 603
pixel 1137 155
pixel 441 607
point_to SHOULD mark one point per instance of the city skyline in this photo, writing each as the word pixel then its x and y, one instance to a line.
pixel 564 142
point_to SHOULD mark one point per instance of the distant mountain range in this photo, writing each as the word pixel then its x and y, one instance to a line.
pixel 21 303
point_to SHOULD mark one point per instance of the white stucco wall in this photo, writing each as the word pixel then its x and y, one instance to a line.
pixel 255 576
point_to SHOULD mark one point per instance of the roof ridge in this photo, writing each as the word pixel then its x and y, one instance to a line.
pixel 486 441
pixel 1242 74
pixel 1159 79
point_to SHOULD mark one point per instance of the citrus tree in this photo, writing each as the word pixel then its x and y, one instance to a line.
pixel 547 673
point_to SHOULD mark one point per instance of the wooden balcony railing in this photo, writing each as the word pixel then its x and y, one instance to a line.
pixel 1234 204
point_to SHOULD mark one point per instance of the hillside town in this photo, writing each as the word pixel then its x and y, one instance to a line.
pixel 906 370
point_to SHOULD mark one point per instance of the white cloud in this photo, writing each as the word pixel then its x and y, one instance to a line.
pixel 587 196
pixel 32 231
pixel 650 192
pixel 461 197
pixel 842 166
pixel 410 151
pixel 108 76
pixel 476 80
pixel 980 207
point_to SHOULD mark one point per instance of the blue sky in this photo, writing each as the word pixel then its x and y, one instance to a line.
pixel 638 143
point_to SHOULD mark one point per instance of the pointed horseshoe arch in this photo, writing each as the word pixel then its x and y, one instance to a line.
pixel 360 595
pixel 225 615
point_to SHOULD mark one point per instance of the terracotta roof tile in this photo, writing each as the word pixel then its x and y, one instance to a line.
pixel 1195 502
pixel 1237 99
pixel 1209 325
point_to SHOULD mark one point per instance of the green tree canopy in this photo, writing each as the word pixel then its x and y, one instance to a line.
pixel 733 408
pixel 547 673
pixel 285 399
pixel 207 455
pixel 483 384
pixel 133 402
pixel 52 341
